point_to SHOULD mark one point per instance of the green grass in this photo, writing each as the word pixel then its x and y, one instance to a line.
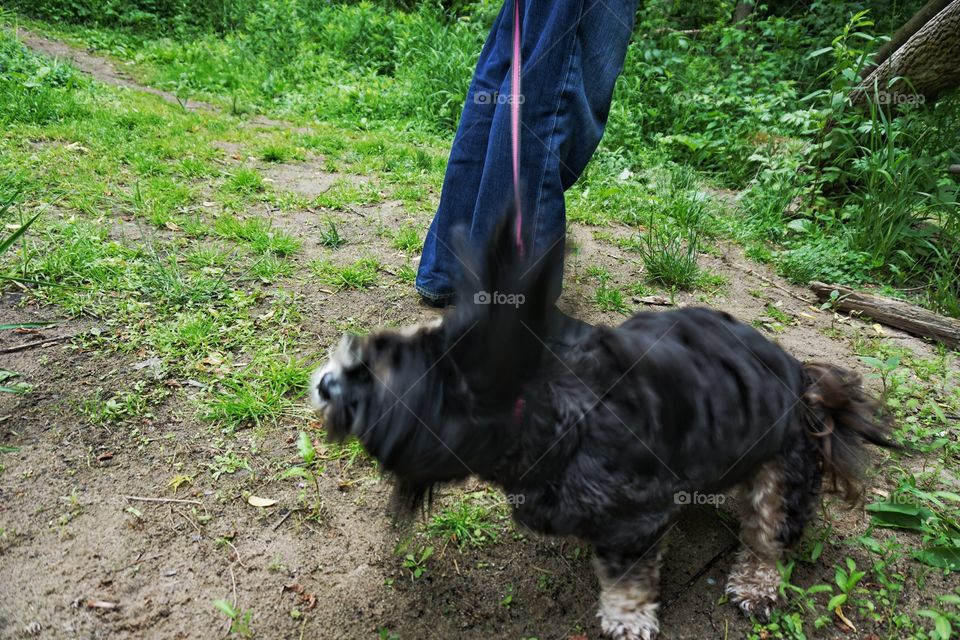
pixel 330 235
pixel 470 522
pixel 261 392
pixel 279 152
pixel 244 181
pixel 408 240
pixel 270 268
pixel 258 234
pixel 669 260
pixel 361 274
pixel 610 299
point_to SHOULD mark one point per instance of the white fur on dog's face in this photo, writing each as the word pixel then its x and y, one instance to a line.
pixel 342 356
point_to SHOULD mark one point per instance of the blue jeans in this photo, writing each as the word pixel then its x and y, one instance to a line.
pixel 573 51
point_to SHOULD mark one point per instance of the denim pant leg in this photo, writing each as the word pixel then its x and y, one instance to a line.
pixel 439 268
pixel 572 51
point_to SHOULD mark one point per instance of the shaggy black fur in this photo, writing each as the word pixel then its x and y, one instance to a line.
pixel 596 440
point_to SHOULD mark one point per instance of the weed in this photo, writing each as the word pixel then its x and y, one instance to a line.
pixel 468 523
pixel 280 152
pixel 670 261
pixel 406 274
pixel 6 243
pixel 239 620
pixel 507 599
pixel 330 236
pixel 610 298
pixel 258 233
pixel 227 464
pixel 260 392
pixel 884 369
pixel 416 563
pixel 310 470
pixel 244 181
pixel 407 239
pixel 934 514
pixel 361 274
pixel 269 268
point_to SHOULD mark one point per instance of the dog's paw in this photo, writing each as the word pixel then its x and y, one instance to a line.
pixel 639 623
pixel 756 606
pixel 755 589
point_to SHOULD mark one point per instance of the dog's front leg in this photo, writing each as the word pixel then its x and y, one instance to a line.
pixel 629 596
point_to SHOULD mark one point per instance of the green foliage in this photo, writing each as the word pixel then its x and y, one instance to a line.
pixel 933 514
pixel 7 240
pixel 258 233
pixel 259 393
pixel 407 239
pixel 416 563
pixel 330 236
pixel 468 523
pixel 239 620
pixel 361 274
pixel 34 90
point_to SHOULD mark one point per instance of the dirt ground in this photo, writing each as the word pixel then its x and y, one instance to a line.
pixel 84 555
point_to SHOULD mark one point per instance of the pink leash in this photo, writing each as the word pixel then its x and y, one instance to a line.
pixel 520 404
pixel 515 122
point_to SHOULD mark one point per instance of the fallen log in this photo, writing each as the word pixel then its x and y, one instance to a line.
pixel 895 313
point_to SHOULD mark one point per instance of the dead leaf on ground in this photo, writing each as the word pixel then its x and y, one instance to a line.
pixel 308 600
pixel 659 301
pixel 257 501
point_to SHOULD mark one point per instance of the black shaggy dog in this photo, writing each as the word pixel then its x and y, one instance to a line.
pixel 603 438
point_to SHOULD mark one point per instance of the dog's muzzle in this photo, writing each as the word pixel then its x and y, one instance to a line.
pixel 325 388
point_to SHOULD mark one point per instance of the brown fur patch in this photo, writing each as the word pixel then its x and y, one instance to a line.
pixel 754 581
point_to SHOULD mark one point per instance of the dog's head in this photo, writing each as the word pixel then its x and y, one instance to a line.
pixel 431 402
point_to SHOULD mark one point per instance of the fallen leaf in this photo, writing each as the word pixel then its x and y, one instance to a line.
pixel 102 604
pixel 307 599
pixel 261 502
pixel 877 329
pixel 149 362
pixel 844 619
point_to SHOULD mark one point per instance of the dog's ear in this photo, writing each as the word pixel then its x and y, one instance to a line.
pixel 505 300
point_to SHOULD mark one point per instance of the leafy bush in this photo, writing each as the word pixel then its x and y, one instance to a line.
pixel 33 90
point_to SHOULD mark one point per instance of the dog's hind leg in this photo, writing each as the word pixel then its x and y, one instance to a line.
pixel 629 596
pixel 754 581
pixel 780 502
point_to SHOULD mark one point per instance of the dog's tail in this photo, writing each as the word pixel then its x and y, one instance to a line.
pixel 840 416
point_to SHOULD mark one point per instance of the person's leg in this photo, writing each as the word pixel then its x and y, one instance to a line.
pixel 573 51
pixel 439 265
